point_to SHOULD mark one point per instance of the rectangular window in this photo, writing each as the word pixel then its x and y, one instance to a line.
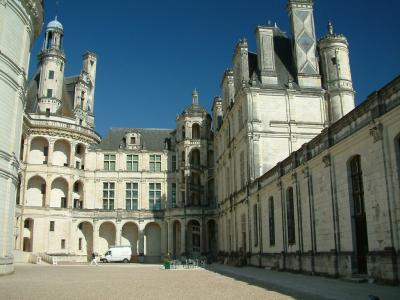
pixel 108 195
pixel 51 74
pixel 49 93
pixel 131 196
pixel 133 140
pixel 334 61
pixel 52 225
pixel 173 163
pixel 290 216
pixel 63 202
pixel 62 244
pixel 132 163
pixel 155 196
pixel 109 162
pixel 271 221
pixel 155 163
pixel 80 244
pixel 255 222
pixel 173 195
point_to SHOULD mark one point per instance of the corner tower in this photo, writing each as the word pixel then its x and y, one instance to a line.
pixel 51 66
pixel 335 67
pixel 304 43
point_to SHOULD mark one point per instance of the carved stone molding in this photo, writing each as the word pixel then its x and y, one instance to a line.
pixel 279 184
pixel 294 177
pixel 376 132
pixel 306 172
pixel 326 160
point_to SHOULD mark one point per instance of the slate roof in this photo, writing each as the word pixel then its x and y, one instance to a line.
pixel 151 139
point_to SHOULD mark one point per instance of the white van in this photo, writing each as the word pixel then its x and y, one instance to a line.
pixel 117 253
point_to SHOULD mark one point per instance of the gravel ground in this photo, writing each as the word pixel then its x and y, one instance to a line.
pixel 118 281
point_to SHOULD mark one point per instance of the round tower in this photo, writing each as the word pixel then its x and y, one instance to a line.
pixel 335 66
pixel 51 66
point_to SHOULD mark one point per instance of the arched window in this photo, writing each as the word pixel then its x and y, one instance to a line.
pixel 183 133
pixel 195 131
pixel 271 221
pixel 290 216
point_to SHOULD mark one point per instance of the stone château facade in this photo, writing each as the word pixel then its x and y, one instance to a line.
pixel 280 176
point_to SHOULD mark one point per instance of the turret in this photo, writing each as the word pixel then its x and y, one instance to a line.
pixel 89 67
pixel 304 43
pixel 217 113
pixel 335 67
pixel 51 65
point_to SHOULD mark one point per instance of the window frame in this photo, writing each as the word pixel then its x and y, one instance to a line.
pixel 131 188
pixel 110 161
pixel 154 196
pixel 132 160
pixel 154 161
pixel 108 195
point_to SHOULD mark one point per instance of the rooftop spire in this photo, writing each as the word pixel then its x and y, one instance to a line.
pixel 330 27
pixel 195 97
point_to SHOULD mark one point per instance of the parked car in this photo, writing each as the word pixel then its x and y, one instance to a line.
pixel 117 254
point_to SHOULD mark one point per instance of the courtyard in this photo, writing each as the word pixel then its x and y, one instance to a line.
pixel 128 281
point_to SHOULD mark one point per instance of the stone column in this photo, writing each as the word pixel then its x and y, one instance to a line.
pixel 70 193
pixel 72 155
pixel 47 196
pixel 170 236
pixel 27 149
pixel 141 245
pixel 183 238
pixel 96 227
pixel 50 152
pixel 118 231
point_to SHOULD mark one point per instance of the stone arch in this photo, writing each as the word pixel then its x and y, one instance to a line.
pixel 28 235
pixel 80 154
pixel 193 238
pixel 107 236
pixel 36 191
pixel 78 194
pixel 38 150
pixel 61 153
pixel 130 236
pixel 59 193
pixel 152 242
pixel 195 131
pixel 85 239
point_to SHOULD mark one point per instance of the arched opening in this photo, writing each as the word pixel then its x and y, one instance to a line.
pixel 183 133
pixel 176 239
pixel 358 216
pixel 130 237
pixel 85 239
pixel 80 150
pixel 291 230
pixel 195 131
pixel 28 235
pixel 77 194
pixel 61 153
pixel 36 191
pixel 59 193
pixel 194 240
pixel 212 238
pixel 107 234
pixel 195 158
pixel 39 151
pixel 152 242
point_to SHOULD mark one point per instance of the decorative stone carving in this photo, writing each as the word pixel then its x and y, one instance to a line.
pixel 326 160
pixel 376 132
pixel 294 177
pixel 306 172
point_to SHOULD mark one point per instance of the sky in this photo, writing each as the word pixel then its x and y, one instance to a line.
pixel 152 54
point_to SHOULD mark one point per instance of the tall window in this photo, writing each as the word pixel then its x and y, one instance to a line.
pixel 357 186
pixel 132 163
pixel 155 196
pixel 108 195
pixel 173 163
pixel 51 74
pixel 52 223
pixel 109 162
pixel 131 195
pixel 173 195
pixel 290 216
pixel 49 93
pixel 255 223
pixel 271 221
pixel 155 163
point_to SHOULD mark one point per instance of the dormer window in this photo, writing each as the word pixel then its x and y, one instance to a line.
pixel 133 140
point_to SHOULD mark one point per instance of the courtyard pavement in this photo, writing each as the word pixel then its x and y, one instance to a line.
pixel 137 281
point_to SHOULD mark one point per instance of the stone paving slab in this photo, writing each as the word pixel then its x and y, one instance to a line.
pixel 308 287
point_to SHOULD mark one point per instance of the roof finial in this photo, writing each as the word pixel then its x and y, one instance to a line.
pixel 330 27
pixel 57 5
pixel 195 97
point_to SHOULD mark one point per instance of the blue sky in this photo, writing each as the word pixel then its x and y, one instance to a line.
pixel 151 54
